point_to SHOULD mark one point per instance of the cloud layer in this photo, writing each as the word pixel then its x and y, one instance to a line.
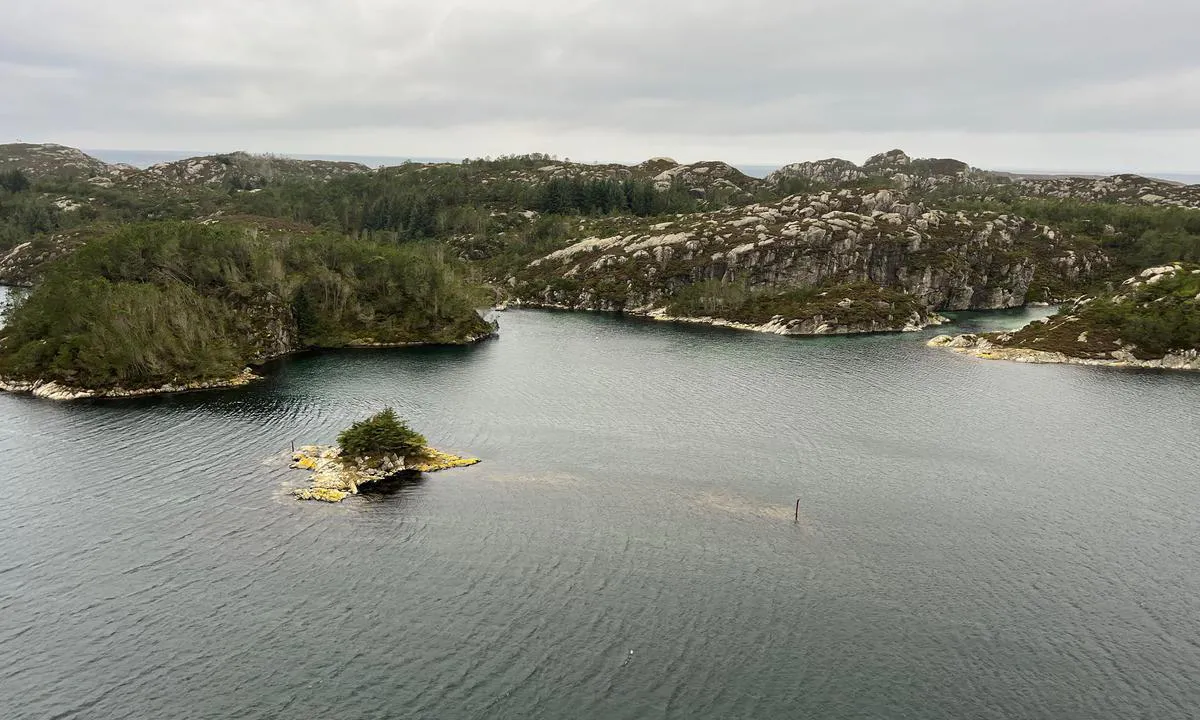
pixel 1072 83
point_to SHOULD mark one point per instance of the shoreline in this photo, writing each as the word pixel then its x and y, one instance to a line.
pixel 980 347
pixel 779 325
pixel 54 390
pixel 333 480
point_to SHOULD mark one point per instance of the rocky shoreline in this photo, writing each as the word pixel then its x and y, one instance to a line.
pixel 980 347
pixel 811 327
pixel 368 343
pixel 779 325
pixel 335 479
pixel 51 390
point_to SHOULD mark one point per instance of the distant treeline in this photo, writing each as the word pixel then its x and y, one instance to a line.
pixel 425 202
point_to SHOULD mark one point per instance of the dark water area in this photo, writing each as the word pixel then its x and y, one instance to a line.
pixel 976 539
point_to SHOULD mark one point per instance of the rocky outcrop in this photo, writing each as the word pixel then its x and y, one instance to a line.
pixel 59 391
pixel 240 170
pixel 335 478
pixel 704 177
pixel 45 161
pixel 1123 189
pixel 1151 321
pixel 832 172
pixel 893 167
pixel 949 260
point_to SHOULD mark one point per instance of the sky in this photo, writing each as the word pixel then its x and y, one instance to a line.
pixel 1081 85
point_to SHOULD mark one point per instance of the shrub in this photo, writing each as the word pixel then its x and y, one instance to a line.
pixel 380 434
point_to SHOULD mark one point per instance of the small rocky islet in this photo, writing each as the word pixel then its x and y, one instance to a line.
pixel 335 478
pixel 377 448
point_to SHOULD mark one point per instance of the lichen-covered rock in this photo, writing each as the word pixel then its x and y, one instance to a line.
pixel 334 478
pixel 1124 189
pixel 949 260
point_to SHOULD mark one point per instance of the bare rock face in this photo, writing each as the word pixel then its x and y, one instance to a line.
pixel 888 163
pixel 833 171
pixel 704 176
pixel 893 167
pixel 951 261
pixel 1126 189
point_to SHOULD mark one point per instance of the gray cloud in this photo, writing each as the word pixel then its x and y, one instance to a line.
pixel 732 75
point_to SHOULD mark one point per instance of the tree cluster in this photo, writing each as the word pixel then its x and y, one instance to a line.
pixel 381 434
pixel 171 302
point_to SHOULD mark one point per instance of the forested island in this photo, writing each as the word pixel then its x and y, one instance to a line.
pixel 190 274
pixel 169 306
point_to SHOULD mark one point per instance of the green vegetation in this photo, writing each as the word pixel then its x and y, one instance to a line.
pixel 380 434
pixel 1134 236
pixel 153 303
pixel 23 213
pixel 1157 318
pixel 413 202
pixel 868 303
pixel 605 197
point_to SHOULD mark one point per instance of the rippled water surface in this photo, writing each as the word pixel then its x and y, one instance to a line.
pixel 976 539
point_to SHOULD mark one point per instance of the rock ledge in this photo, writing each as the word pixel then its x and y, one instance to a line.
pixel 335 478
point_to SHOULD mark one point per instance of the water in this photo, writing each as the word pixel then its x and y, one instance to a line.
pixel 976 539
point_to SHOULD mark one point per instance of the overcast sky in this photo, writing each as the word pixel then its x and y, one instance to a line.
pixel 1049 84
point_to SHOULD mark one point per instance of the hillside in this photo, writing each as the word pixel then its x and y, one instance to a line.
pixel 636 238
pixel 1120 189
pixel 168 306
pixel 1151 320
pixel 46 161
pixel 945 260
pixel 237 169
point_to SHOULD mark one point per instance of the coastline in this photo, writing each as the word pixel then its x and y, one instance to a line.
pixel 779 325
pixel 982 348
pixel 367 343
pixel 53 390
pixel 333 479
pixel 808 327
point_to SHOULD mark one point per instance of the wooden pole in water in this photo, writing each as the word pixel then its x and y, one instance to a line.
pixel 294 452
pixel 797 509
